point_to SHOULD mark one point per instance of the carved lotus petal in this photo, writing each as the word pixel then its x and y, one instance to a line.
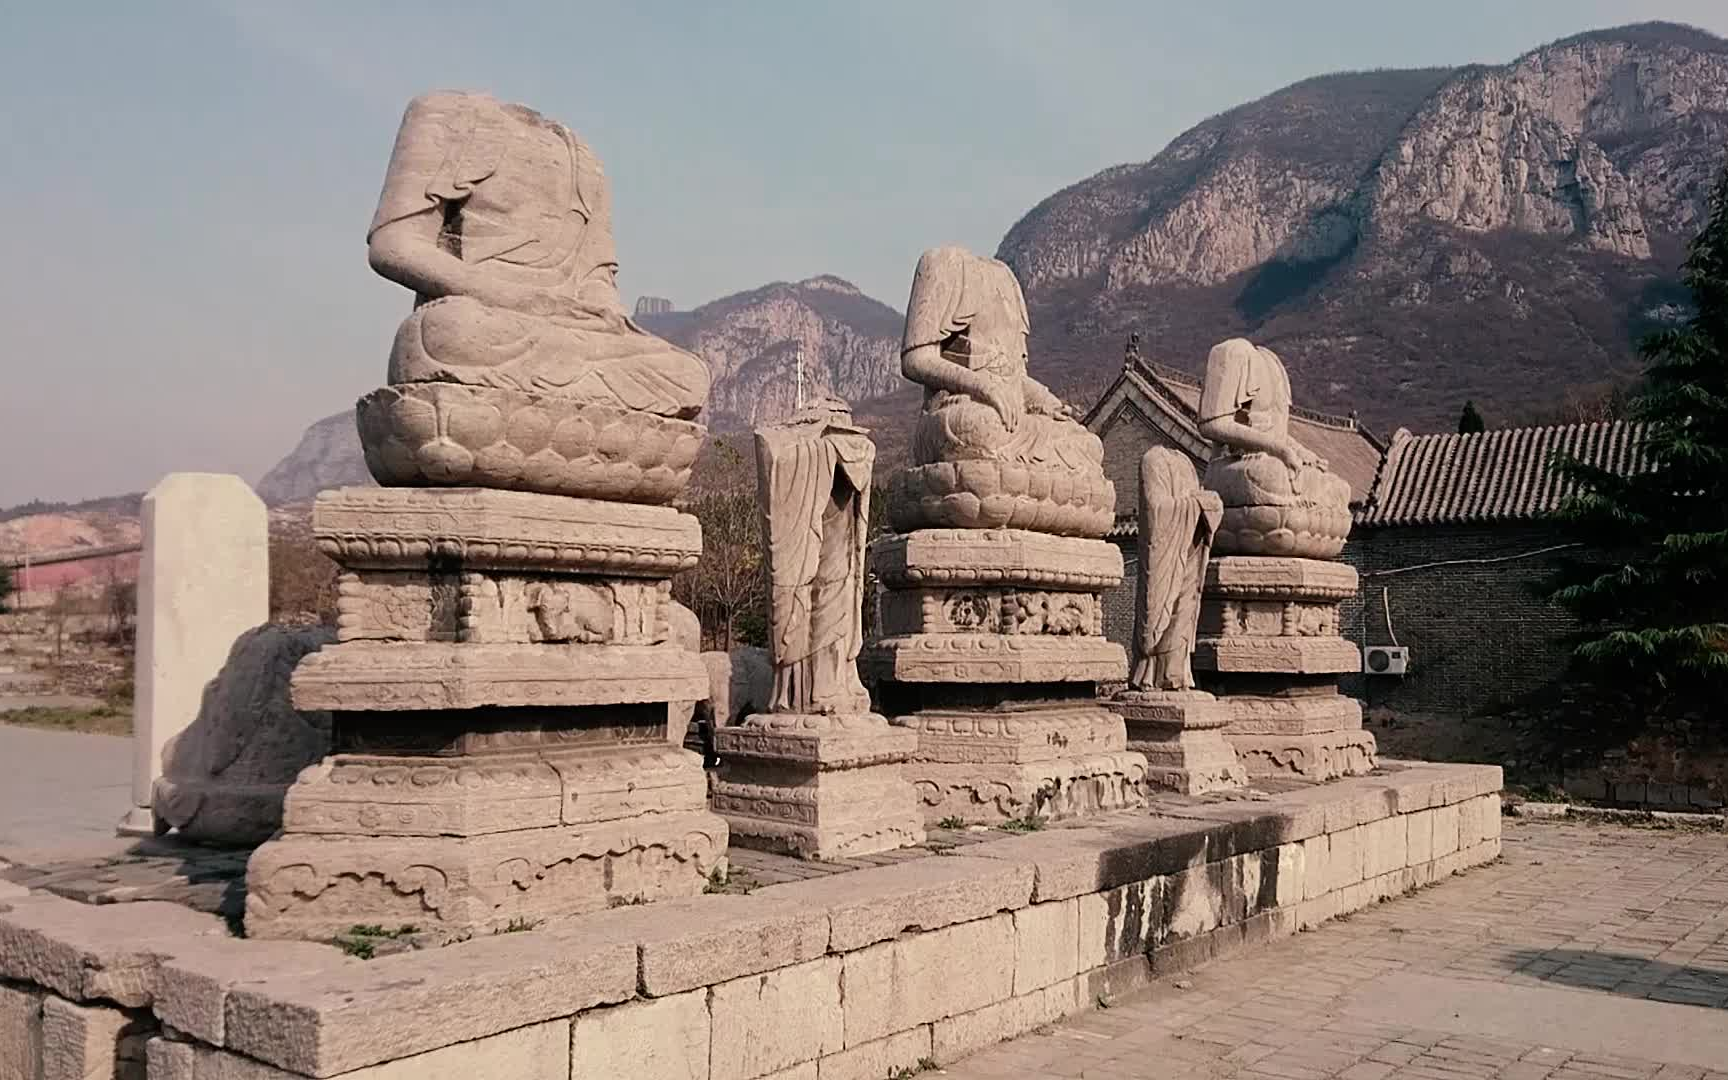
pixel 615 440
pixel 573 438
pixel 411 418
pixel 444 461
pixel 650 446
pixel 501 462
pixel 530 430
pixel 475 426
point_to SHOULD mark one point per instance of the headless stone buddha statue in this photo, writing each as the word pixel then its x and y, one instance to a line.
pixel 1177 521
pixel 1279 499
pixel 993 446
pixel 500 221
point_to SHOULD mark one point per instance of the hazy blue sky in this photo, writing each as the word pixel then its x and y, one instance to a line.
pixel 187 185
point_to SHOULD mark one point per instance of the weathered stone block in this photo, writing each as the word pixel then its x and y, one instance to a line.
pixel 1344 860
pixel 395 1006
pixel 1312 913
pixel 1292 874
pixel 1046 945
pixel 1317 863
pixel 1197 901
pixel 93 1042
pixel 706 940
pixel 1123 922
pixel 867 906
pixel 91 952
pixel 956 1036
pixel 664 1039
pixel 1071 862
pixel 763 1023
pixel 897 985
pixel 537 1052
pixel 1446 831
pixel 20 1033
pixel 1419 837
pixel 192 986
pixel 1385 846
pixel 900 1054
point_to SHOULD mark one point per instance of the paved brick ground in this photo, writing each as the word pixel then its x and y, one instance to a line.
pixel 1587 953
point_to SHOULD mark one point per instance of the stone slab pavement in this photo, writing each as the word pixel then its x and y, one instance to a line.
pixel 61 793
pixel 1586 953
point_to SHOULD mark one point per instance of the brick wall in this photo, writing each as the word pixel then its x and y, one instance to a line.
pixel 1480 635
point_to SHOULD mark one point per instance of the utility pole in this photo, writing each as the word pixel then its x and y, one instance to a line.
pixel 800 378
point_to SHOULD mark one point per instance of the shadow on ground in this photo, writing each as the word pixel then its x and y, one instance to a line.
pixel 1628 976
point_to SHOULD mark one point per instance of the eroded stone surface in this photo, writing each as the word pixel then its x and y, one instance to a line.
pixel 313 886
pixel 225 775
pixel 1181 735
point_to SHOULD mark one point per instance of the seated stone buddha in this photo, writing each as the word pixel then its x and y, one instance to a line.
pixel 1278 497
pixel 500 221
pixel 993 447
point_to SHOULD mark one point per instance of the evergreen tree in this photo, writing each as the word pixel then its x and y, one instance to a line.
pixel 1655 608
pixel 5 585
pixel 1470 421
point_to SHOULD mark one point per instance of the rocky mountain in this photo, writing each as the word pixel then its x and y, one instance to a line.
pixel 328 455
pixel 1404 239
pixel 752 341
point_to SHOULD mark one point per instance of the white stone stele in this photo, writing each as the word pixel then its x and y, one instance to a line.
pixel 203 582
pixel 820 787
pixel 1181 732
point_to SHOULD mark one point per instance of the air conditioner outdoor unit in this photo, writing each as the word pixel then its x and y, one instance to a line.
pixel 1385 660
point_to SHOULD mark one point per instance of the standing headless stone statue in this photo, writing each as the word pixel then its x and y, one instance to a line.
pixel 511 674
pixel 1177 727
pixel 819 774
pixel 1269 641
pixel 518 367
pixel 993 641
pixel 204 582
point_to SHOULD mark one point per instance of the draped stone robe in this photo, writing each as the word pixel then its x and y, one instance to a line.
pixel 814 492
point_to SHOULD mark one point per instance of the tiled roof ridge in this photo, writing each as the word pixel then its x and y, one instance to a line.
pixel 1504 474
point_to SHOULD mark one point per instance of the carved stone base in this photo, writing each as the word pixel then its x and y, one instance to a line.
pixel 317 886
pixel 995 495
pixel 1016 734
pixel 411 676
pixel 1060 788
pixel 1031 759
pixel 1181 733
pixel 1312 732
pixel 433 433
pixel 820 787
pixel 994 658
pixel 1324 756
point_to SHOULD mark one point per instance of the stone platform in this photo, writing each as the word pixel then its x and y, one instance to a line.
pixel 938 957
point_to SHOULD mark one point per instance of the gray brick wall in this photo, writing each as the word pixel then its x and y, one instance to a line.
pixel 1480 634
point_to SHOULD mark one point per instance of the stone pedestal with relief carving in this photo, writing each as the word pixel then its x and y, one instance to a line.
pixel 1270 646
pixel 1181 732
pixel 499 696
pixel 992 647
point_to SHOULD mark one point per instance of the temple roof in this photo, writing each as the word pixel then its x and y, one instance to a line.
pixel 1491 476
pixel 1349 449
